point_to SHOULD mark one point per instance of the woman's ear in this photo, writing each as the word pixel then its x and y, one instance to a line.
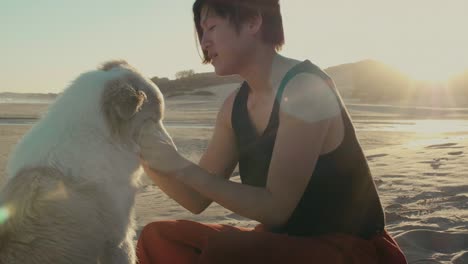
pixel 120 102
pixel 254 24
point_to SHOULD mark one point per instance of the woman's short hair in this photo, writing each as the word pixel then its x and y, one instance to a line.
pixel 238 12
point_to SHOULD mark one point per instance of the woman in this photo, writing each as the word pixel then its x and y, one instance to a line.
pixel 304 175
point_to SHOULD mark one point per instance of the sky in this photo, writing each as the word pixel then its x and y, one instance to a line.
pixel 45 44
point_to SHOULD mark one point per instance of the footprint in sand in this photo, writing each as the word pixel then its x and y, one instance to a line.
pixel 445 146
pixel 395 176
pixel 435 174
pixel 392 217
pixel 435 163
pixel 378 182
pixel 420 244
pixel 370 157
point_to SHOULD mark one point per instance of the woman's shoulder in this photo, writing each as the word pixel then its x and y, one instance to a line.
pixel 229 101
pixel 302 72
pixel 310 97
pixel 225 110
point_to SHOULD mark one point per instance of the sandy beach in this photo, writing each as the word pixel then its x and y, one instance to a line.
pixel 419 159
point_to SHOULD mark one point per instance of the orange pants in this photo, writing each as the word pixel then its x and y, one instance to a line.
pixel 177 242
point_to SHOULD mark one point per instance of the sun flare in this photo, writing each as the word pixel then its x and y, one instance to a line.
pixel 5 213
pixel 434 126
pixel 432 71
pixel 429 74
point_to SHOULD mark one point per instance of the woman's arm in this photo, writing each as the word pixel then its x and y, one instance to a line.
pixel 180 192
pixel 299 142
pixel 219 160
pixel 291 167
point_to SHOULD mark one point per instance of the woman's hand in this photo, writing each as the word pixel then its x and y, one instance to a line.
pixel 145 165
pixel 158 150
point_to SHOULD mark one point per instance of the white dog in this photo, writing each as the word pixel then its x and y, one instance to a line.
pixel 72 179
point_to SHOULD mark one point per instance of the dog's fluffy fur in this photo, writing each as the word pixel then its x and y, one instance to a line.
pixel 72 179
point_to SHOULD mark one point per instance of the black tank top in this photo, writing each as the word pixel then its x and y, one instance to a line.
pixel 340 197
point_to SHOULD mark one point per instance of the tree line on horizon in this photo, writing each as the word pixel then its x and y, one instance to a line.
pixel 367 81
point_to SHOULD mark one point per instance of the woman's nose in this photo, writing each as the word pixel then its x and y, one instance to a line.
pixel 205 42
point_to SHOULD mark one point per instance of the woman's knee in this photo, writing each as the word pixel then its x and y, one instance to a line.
pixel 153 230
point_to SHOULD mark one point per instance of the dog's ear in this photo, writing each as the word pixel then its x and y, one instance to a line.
pixel 107 66
pixel 120 103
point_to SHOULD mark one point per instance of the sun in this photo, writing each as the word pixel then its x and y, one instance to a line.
pixel 429 73
pixel 432 70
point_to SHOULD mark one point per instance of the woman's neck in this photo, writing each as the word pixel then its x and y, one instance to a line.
pixel 265 71
pixel 257 70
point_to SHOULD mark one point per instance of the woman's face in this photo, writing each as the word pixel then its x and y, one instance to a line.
pixel 228 49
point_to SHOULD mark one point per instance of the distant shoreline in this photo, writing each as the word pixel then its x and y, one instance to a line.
pixel 362 125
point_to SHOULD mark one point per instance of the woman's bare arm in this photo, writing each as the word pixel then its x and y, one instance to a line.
pixel 219 160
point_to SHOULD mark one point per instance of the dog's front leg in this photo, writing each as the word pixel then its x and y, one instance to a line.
pixel 119 254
